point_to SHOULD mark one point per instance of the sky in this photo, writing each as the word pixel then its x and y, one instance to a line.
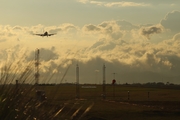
pixel 138 40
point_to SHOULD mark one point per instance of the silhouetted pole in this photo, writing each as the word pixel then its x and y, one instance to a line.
pixel 128 95
pixel 104 82
pixel 114 85
pixel 77 81
pixel 37 67
pixel 148 95
pixel 17 86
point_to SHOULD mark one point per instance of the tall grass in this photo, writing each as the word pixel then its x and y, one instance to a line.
pixel 19 101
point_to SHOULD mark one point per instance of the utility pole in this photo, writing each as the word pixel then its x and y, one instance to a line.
pixel 113 83
pixel 37 67
pixel 104 82
pixel 77 81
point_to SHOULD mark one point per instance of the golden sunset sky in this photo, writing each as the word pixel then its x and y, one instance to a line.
pixel 137 39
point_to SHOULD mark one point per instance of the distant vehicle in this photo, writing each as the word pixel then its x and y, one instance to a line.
pixel 45 34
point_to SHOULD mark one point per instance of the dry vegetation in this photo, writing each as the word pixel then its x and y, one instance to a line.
pixel 22 103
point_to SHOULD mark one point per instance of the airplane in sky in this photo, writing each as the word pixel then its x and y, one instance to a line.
pixel 45 34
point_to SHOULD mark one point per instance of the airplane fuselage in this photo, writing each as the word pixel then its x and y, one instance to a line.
pixel 45 34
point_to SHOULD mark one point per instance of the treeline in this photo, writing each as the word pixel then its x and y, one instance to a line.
pixel 156 84
pixel 134 84
pixel 137 84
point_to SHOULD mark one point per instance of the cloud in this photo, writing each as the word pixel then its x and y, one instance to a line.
pixel 171 21
pixel 46 54
pixel 102 45
pixel 108 30
pixel 83 1
pixel 17 28
pixel 114 4
pixel 52 29
pixel 91 27
pixel 148 31
pixel 125 4
pixel 114 43
pixel 97 44
pixel 6 31
pixel 3 40
pixel 125 25
pixel 176 37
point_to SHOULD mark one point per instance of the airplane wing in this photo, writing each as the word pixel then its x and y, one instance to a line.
pixel 51 34
pixel 39 34
pixel 45 34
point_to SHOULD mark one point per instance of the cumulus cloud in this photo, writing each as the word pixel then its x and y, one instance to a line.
pixel 3 40
pixel 176 37
pixel 6 31
pixel 125 25
pixel 64 27
pixel 102 45
pixel 97 44
pixel 117 44
pixel 52 29
pixel 148 31
pixel 17 28
pixel 171 21
pixel 91 27
pixel 109 30
pixel 46 54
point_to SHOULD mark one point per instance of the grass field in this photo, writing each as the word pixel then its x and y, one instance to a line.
pixel 118 92
pixel 140 103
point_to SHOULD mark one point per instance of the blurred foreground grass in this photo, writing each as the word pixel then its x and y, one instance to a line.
pixel 123 102
pixel 61 104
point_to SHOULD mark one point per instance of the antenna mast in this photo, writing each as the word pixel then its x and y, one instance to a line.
pixel 104 81
pixel 37 67
pixel 77 81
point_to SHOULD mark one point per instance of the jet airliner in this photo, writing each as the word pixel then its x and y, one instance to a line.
pixel 45 34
